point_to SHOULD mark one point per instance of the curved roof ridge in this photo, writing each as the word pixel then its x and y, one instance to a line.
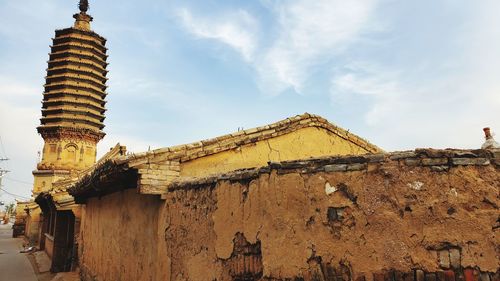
pixel 235 139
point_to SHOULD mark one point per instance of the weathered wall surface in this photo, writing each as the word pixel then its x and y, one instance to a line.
pixel 300 144
pixel 413 216
pixel 118 233
pixel 357 220
pixel 32 231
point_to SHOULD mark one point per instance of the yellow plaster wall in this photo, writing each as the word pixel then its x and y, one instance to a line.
pixel 67 154
pixel 300 144
pixel 117 229
pixel 32 230
pixel 49 245
pixel 20 213
pixel 43 182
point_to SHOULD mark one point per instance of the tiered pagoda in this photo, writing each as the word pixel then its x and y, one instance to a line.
pixel 73 102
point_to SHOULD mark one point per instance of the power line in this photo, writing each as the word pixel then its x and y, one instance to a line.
pixel 19 181
pixel 15 195
pixel 3 149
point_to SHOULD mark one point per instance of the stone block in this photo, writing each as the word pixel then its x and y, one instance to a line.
pixel 471 274
pixel 431 276
pixel 470 161
pixel 419 275
pixel 412 162
pixel 455 258
pixel 444 259
pixel 495 276
pixel 336 168
pixel 449 275
pixel 409 276
pixel 439 168
pixel 440 276
pixel 434 161
pixel 356 167
pixel 484 276
pixel 459 275
pixel 398 276
pixel 375 158
pixel 389 276
pixel 402 155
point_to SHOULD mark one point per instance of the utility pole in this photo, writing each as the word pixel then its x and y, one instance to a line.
pixel 2 171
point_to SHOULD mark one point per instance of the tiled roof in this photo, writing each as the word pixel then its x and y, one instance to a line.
pixel 206 147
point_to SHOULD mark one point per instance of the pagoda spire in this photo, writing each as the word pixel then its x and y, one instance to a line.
pixel 73 104
pixel 83 6
pixel 82 19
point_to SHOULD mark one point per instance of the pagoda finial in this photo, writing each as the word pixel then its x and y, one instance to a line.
pixel 83 6
pixel 83 19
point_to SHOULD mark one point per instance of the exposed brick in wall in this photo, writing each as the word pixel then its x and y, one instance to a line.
pixel 245 262
pixel 154 178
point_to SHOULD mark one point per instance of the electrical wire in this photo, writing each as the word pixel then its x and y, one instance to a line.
pixel 15 195
pixel 19 181
pixel 3 148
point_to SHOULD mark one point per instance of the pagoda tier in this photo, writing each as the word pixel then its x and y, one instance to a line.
pixel 75 85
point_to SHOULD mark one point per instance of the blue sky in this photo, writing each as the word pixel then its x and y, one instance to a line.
pixel 403 74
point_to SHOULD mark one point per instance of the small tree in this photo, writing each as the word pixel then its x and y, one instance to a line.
pixel 9 209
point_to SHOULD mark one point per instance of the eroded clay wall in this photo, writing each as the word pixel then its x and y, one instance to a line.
pixel 408 217
pixel 32 231
pixel 118 233
pixel 413 216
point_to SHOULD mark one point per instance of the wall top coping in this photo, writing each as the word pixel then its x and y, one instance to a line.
pixel 436 160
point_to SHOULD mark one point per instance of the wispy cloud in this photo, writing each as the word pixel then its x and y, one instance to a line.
pixel 379 86
pixel 236 29
pixel 309 33
pixel 438 103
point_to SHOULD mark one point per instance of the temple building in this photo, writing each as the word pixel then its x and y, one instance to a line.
pixel 73 103
pixel 73 109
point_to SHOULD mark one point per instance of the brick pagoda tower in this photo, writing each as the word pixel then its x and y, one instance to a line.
pixel 73 102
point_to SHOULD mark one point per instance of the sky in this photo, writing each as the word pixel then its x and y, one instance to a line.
pixel 402 74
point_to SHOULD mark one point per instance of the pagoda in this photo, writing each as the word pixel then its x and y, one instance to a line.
pixel 73 103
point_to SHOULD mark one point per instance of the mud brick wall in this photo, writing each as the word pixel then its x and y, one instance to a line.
pixel 424 215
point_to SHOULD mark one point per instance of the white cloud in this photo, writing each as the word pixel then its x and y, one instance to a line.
pixel 407 110
pixel 235 29
pixel 309 33
pixel 380 86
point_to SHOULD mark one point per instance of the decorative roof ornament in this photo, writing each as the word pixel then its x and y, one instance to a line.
pixel 83 6
pixel 83 19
